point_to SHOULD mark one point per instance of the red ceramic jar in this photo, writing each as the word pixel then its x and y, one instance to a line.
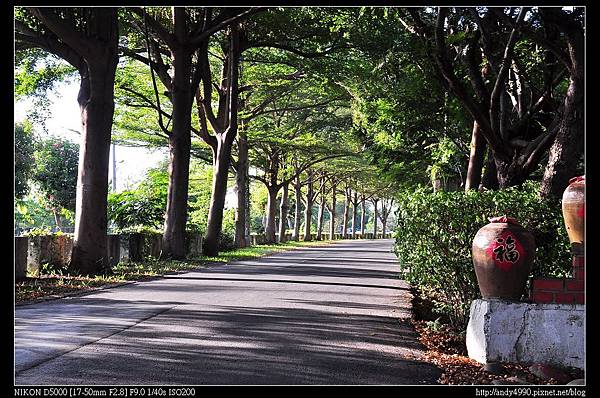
pixel 503 253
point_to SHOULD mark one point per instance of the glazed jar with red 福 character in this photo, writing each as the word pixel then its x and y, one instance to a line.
pixel 503 254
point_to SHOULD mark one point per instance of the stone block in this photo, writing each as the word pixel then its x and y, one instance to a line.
pixel 194 244
pixel 123 248
pixel 113 248
pixel 152 245
pixel 21 248
pixel 503 331
pixel 135 242
pixel 49 249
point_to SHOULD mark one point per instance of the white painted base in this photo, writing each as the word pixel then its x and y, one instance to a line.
pixel 503 331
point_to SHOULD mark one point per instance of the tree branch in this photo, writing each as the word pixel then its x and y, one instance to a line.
pixel 203 132
pixel 206 98
pixel 219 23
pixel 151 105
pixel 79 42
pixel 48 44
pixel 504 67
pixel 295 108
pixel 160 69
pixel 288 48
pixel 531 34
pixel 447 73
pixel 157 27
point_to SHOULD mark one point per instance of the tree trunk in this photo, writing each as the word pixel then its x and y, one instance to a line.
pixel 93 51
pixel 177 195
pixel 363 217
pixel 476 159
pixel 283 211
pixel 298 209
pixel 332 213
pixel 384 216
pixel 179 158
pixel 308 209
pixel 320 218
pixel 241 180
pixel 509 173
pixel 490 176
pixel 345 220
pixel 57 220
pixel 222 149
pixel 271 214
pixel 375 219
pixel 568 144
pixel 222 159
pixel 354 215
pixel 96 103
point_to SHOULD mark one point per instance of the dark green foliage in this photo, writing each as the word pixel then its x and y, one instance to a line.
pixel 142 208
pixel 435 234
pixel 56 162
pixel 226 238
pixel 129 209
pixel 226 241
pixel 24 148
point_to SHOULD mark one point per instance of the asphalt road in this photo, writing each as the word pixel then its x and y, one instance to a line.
pixel 328 315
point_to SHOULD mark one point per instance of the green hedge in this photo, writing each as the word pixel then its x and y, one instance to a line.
pixel 435 233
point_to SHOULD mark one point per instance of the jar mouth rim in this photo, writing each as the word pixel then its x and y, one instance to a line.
pixel 504 219
pixel 577 179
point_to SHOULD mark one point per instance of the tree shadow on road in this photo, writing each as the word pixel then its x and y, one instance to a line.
pixel 231 345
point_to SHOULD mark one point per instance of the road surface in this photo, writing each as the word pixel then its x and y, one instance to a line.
pixel 336 314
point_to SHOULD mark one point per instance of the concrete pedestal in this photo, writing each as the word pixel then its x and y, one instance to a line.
pixel 527 333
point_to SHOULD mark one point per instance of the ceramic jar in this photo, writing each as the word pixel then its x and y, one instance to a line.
pixel 573 209
pixel 503 253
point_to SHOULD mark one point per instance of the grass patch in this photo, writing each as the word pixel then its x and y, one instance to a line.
pixel 51 285
pixel 258 251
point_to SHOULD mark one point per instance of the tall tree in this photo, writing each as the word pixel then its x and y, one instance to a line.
pixel 242 182
pixel 331 208
pixel 182 36
pixel 517 120
pixel 323 178
pixel 297 184
pixel 289 140
pixel 224 125
pixel 283 213
pixel 375 201
pixel 363 215
pixel 308 205
pixel 86 38
pixel 567 147
pixel 386 208
pixel 476 159
pixel 347 200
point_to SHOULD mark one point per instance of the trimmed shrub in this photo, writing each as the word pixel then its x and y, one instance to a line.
pixel 435 233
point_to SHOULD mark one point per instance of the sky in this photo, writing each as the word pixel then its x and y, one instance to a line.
pixel 132 163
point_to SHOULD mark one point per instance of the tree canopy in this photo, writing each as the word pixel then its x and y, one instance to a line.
pixel 363 103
